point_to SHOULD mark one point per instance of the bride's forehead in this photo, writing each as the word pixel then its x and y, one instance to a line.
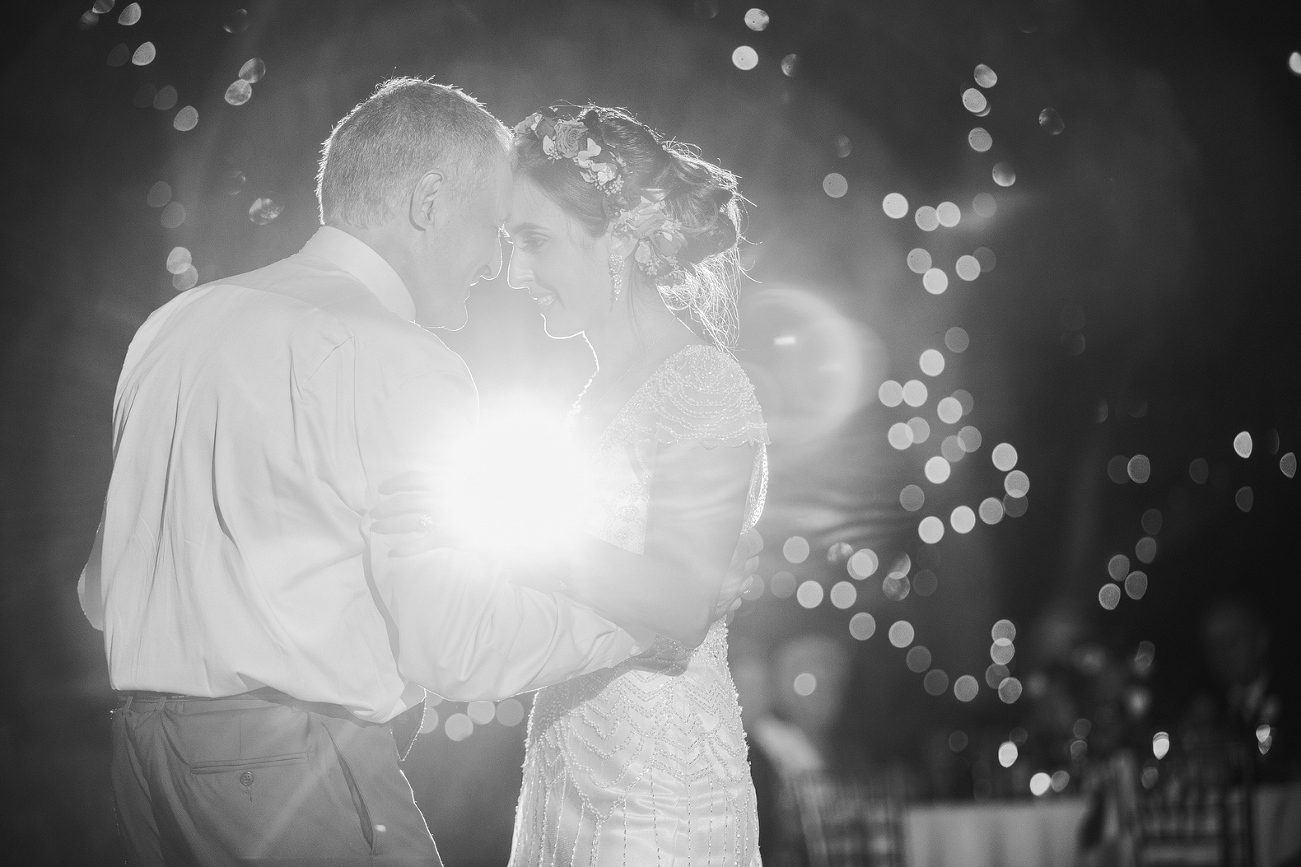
pixel 528 204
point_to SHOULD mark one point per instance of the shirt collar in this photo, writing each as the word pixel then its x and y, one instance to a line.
pixel 351 254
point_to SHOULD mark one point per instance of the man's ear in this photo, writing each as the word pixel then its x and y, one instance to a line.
pixel 429 200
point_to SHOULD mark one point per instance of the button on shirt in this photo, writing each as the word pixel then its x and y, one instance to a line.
pixel 254 421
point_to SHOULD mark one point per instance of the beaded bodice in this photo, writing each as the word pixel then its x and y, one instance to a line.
pixel 646 762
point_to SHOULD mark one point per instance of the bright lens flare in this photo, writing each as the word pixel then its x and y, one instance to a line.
pixel 519 481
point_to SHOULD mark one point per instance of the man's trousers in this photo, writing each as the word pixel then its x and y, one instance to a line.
pixel 247 780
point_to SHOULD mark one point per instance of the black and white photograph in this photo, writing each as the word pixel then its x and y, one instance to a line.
pixel 650 433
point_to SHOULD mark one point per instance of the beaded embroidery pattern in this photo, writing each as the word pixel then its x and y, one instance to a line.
pixel 649 756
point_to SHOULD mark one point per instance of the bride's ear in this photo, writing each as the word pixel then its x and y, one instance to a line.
pixel 621 245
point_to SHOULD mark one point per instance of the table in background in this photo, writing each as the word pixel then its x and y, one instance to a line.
pixel 1044 832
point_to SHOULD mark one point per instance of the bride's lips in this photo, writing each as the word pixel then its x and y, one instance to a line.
pixel 543 299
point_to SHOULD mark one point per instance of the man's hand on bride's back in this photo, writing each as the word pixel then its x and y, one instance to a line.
pixel 740 573
pixel 411 511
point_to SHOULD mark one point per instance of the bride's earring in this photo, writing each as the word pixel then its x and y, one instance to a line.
pixel 616 278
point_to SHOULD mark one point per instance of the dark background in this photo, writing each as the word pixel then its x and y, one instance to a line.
pixel 1160 226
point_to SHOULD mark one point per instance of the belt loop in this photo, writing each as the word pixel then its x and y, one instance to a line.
pixel 127 704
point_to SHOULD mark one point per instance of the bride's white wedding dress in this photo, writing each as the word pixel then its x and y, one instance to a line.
pixel 645 763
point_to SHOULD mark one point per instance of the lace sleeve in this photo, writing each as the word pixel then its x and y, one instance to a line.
pixel 706 399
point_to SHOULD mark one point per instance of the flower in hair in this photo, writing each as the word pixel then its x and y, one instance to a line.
pixel 659 238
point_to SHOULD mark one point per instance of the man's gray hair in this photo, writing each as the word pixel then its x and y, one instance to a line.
pixel 406 128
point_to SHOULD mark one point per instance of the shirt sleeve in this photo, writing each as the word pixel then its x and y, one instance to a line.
pixel 460 629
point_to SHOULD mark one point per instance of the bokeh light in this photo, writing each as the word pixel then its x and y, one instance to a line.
pixel 951 449
pixel 930 529
pixel 144 55
pixel 159 194
pixel 974 100
pixel 963 519
pixel 1002 651
pixel 901 633
pixel 985 205
pixel 239 92
pixel 804 684
pixel 130 15
pixel 236 22
pixel 899 435
pixel 1007 754
pixel 1136 584
pixel 956 339
pixel 1242 444
pixel 935 281
pixel 958 741
pixel 1287 465
pixel 896 587
pixel 756 19
pixel 918 659
pixel 985 76
pixel 980 140
pixel 925 582
pixel 1109 596
pixel 948 214
pixel 809 594
pixel 890 393
pixel 931 362
pixel 1040 783
pixel 967 267
pixel 919 428
pixel 843 594
pixel 914 392
pixel 1151 521
pixel 1004 456
pixel 1004 175
pixel 949 410
pixel 510 712
pixel 791 68
pixel 970 438
pixel 458 727
pixel 863 564
pixel 1015 507
pixel 991 510
pixel 1051 122
pixel 1244 498
pixel 965 688
pixel 986 258
pixel 936 682
pixel 937 470
pixel 165 98
pixel 895 206
pixel 835 185
pixel 795 549
pixel 1199 470
pixel 862 626
pixel 1160 745
pixel 995 674
pixel 745 58
pixel 840 552
pixel 783 584
pixel 1118 567
pixel 178 260
pixel 481 712
pixel 1145 549
pixel 1004 629
pixel 118 55
pixel 842 145
pixel 1139 469
pixel 186 119
pixel 927 219
pixel 173 215
pixel 1009 690
pixel 912 498
pixel 264 209
pixel 919 260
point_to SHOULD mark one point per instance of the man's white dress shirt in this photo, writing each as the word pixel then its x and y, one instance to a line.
pixel 254 420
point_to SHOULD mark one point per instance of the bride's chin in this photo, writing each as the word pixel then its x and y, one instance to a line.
pixel 556 328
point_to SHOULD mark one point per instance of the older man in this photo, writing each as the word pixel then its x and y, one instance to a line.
pixel 260 636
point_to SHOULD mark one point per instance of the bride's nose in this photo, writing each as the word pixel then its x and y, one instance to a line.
pixel 517 272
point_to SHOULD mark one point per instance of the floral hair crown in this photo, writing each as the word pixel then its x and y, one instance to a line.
pixel 645 220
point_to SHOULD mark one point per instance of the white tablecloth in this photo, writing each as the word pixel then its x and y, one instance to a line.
pixel 1043 832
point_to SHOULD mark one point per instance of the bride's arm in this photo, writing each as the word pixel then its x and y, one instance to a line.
pixel 697 506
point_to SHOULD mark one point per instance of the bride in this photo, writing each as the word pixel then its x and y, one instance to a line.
pixel 615 232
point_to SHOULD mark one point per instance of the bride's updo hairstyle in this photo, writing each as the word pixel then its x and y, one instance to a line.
pixel 702 198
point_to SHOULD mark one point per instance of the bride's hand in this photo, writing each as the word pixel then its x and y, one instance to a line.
pixel 412 511
pixel 739 580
